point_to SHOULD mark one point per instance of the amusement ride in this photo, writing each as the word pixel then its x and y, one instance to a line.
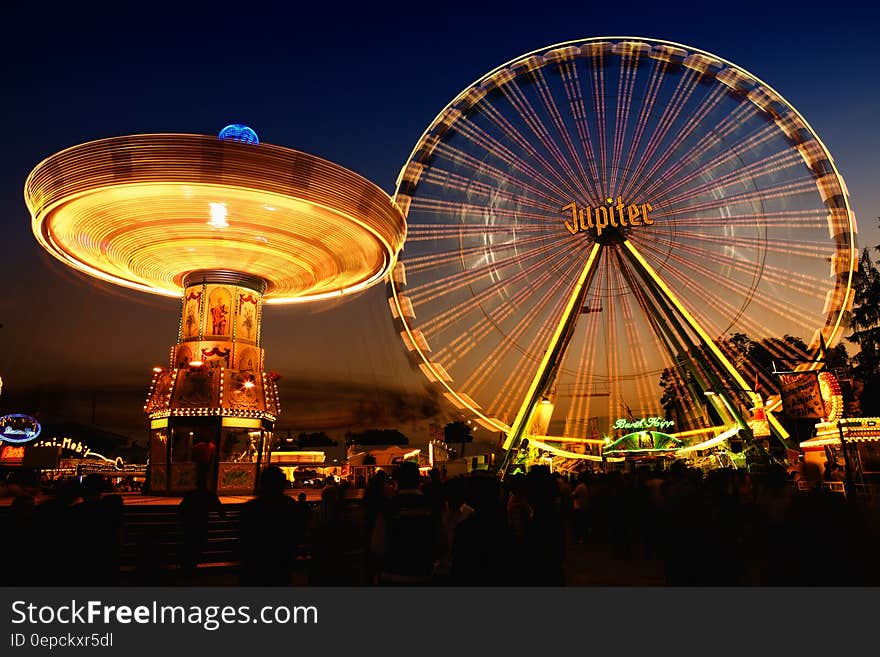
pixel 226 225
pixel 592 225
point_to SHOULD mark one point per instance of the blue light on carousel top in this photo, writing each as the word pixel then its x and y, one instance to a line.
pixel 240 133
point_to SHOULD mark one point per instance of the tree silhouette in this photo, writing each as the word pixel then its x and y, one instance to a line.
pixel 316 439
pixel 376 437
pixel 866 329
pixel 458 432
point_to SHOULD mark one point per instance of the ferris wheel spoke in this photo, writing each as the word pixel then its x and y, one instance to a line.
pixel 577 109
pixel 474 190
pixel 549 304
pixel 791 248
pixel 747 293
pixel 745 175
pixel 555 347
pixel 457 208
pixel 648 102
pixel 766 220
pixel 636 346
pixel 562 185
pixel 579 408
pixel 632 345
pixel 577 178
pixel 802 284
pixel 455 231
pixel 598 79
pixel 514 385
pixel 780 191
pixel 442 319
pixel 461 279
pixel 491 146
pixel 767 167
pixel 625 86
pixel 732 156
pixel 421 264
pixel 611 350
pixel 692 122
pixel 664 348
pixel 682 93
pixel 757 296
pixel 471 335
pixel 713 140
pixel 494 175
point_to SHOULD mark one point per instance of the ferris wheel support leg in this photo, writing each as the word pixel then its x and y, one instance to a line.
pixel 692 323
pixel 721 360
pixel 550 361
pixel 777 430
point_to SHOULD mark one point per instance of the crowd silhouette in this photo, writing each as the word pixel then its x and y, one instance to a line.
pixel 721 528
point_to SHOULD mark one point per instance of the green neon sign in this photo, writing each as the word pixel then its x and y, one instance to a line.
pixel 644 423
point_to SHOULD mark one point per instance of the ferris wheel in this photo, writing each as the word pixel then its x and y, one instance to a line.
pixel 590 223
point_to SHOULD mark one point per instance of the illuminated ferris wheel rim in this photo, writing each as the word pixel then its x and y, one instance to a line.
pixel 319 201
pixel 736 78
pixel 636 40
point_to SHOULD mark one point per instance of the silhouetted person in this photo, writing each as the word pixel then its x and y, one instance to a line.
pixel 266 533
pixel 330 539
pixel 97 539
pixel 408 537
pixel 54 526
pixel 194 512
pixel 545 537
pixel 481 544
pixel 114 508
pixel 580 509
pixel 376 496
pixel 302 520
pixel 20 526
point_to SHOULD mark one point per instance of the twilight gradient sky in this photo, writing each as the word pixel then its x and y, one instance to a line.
pixel 356 85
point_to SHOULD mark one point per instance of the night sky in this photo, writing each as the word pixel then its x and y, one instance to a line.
pixel 356 85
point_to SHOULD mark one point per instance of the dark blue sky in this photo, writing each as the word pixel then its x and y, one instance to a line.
pixel 354 84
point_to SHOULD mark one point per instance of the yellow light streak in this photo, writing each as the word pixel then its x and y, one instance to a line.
pixel 142 211
pixel 537 444
pixel 568 439
pixel 523 416
pixel 712 442
pixel 692 322
pixel 697 432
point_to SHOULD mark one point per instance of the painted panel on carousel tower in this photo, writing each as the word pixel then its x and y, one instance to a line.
pixel 183 356
pixel 215 354
pixel 160 398
pixel 191 322
pixel 219 318
pixel 247 316
pixel 236 477
pixel 243 391
pixel 249 360
pixel 197 388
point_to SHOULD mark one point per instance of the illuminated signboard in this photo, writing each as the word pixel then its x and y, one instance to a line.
pixel 614 215
pixel 802 395
pixel 17 428
pixel 11 454
pixel 67 444
pixel 643 423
